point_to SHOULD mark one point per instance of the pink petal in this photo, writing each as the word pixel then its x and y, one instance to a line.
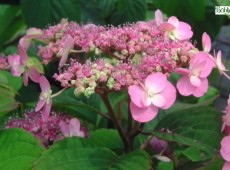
pixel 206 42
pixel 64 128
pixel 174 21
pixel 46 111
pixel 183 31
pixel 202 89
pixel 74 128
pixel 166 27
pixel 23 55
pixel 44 83
pixel 225 148
pixel 15 65
pixel 40 104
pixel 137 95
pixel 68 45
pixel 169 94
pixel 143 114
pixel 182 71
pixel 156 82
pixel 158 100
pixel 207 67
pixel 226 166
pixel 34 74
pixel 24 43
pixel 25 78
pixel 158 17
pixel 184 86
pixel 195 81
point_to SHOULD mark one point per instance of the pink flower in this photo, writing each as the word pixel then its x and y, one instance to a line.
pixel 225 148
pixel 16 67
pixel 194 80
pixel 156 92
pixel 27 39
pixel 72 129
pixel 64 51
pixel 206 42
pixel 20 64
pixel 220 66
pixel 176 29
pixel 45 101
pixel 158 17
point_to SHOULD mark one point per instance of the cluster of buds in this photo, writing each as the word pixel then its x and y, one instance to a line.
pixel 55 128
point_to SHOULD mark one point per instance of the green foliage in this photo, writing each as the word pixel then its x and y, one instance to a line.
pixel 11 24
pixel 76 153
pixel 193 127
pixel 41 13
pixel 18 149
pixel 113 12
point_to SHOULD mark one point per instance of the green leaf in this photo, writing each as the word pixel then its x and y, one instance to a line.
pixel 18 149
pixel 106 6
pixel 44 12
pixel 165 166
pixel 77 153
pixel 7 101
pixel 192 127
pixel 108 138
pixel 216 163
pixel 211 93
pixel 195 154
pixel 128 11
pixel 11 23
pixel 135 160
pixel 182 8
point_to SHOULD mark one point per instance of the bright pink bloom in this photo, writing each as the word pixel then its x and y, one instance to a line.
pixel 72 129
pixel 225 148
pixel 176 29
pixel 64 52
pixel 194 80
pixel 206 42
pixel 45 100
pixel 226 166
pixel 156 92
pixel 158 17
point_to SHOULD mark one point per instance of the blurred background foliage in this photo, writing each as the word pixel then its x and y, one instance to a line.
pixel 17 15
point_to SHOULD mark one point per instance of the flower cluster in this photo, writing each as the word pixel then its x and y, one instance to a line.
pixel 55 128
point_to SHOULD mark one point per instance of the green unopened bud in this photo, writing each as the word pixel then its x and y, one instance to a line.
pixel 73 82
pixel 110 83
pixel 78 91
pixel 97 51
pixel 88 91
